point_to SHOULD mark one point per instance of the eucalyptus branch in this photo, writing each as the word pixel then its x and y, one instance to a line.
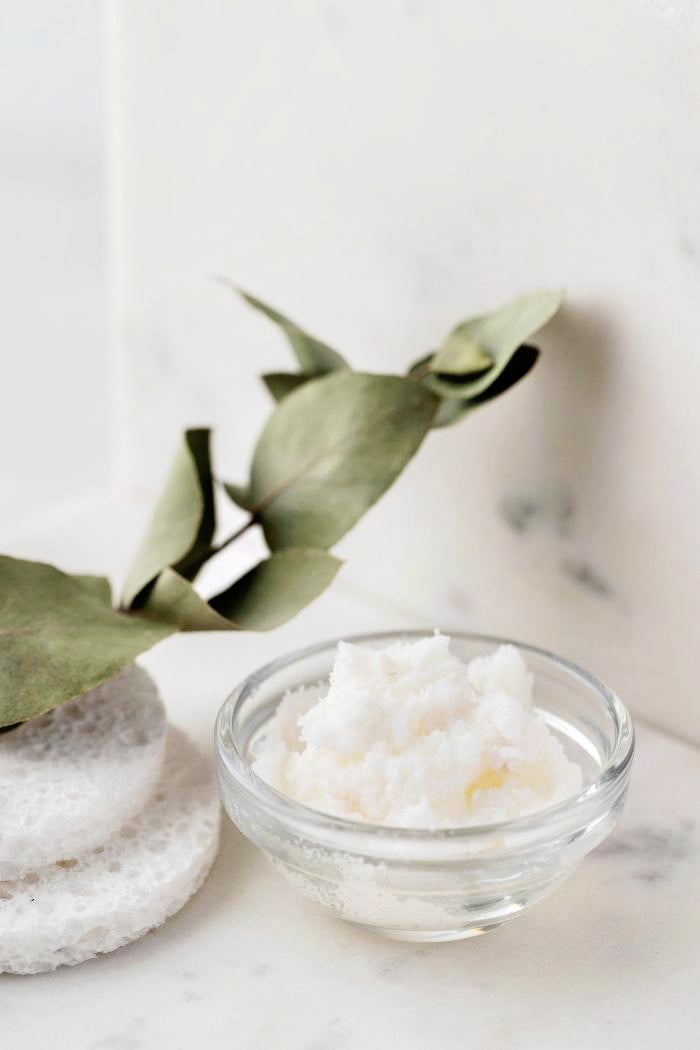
pixel 335 442
pixel 253 520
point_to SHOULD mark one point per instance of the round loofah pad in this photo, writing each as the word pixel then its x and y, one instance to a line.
pixel 65 913
pixel 70 779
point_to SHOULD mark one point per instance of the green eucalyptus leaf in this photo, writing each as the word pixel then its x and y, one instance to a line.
pixel 279 384
pixel 522 361
pixel 99 586
pixel 277 588
pixel 59 638
pixel 274 591
pixel 315 358
pixel 182 526
pixel 330 450
pixel 421 368
pixel 238 494
pixel 460 355
pixel 452 410
pixel 173 600
pixel 500 334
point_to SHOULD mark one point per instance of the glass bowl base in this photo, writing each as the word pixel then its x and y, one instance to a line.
pixel 390 933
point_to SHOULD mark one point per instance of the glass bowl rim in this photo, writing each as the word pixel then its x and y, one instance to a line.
pixel 612 774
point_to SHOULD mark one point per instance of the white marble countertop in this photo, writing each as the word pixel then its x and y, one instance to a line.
pixel 610 960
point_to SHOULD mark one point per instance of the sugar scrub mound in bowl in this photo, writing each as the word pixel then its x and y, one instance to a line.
pixel 409 736
pixel 65 913
pixel 70 779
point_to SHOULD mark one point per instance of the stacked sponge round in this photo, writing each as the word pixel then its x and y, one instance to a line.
pixel 109 822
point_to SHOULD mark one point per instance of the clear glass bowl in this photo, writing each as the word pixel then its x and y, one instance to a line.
pixel 430 885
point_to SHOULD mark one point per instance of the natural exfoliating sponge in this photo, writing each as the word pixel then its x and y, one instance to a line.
pixel 68 912
pixel 70 779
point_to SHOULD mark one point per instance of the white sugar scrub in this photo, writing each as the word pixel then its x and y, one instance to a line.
pixel 71 778
pixel 410 736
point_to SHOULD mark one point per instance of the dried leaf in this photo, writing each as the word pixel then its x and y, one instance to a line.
pixel 59 637
pixel 460 355
pixel 173 600
pixel 315 358
pixel 238 494
pixel 99 586
pixel 330 450
pixel 280 384
pixel 182 526
pixel 452 410
pixel 270 594
pixel 499 334
pixel 277 588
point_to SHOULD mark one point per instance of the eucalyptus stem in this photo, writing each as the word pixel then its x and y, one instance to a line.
pixel 253 520
pixel 419 373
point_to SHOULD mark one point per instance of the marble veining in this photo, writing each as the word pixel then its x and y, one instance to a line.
pixel 652 851
pixel 551 506
pixel 588 576
pixel 394 968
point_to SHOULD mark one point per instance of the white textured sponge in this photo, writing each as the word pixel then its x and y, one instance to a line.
pixel 70 779
pixel 65 913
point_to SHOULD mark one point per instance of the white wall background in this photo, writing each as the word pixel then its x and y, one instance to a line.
pixel 54 406
pixel 382 170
